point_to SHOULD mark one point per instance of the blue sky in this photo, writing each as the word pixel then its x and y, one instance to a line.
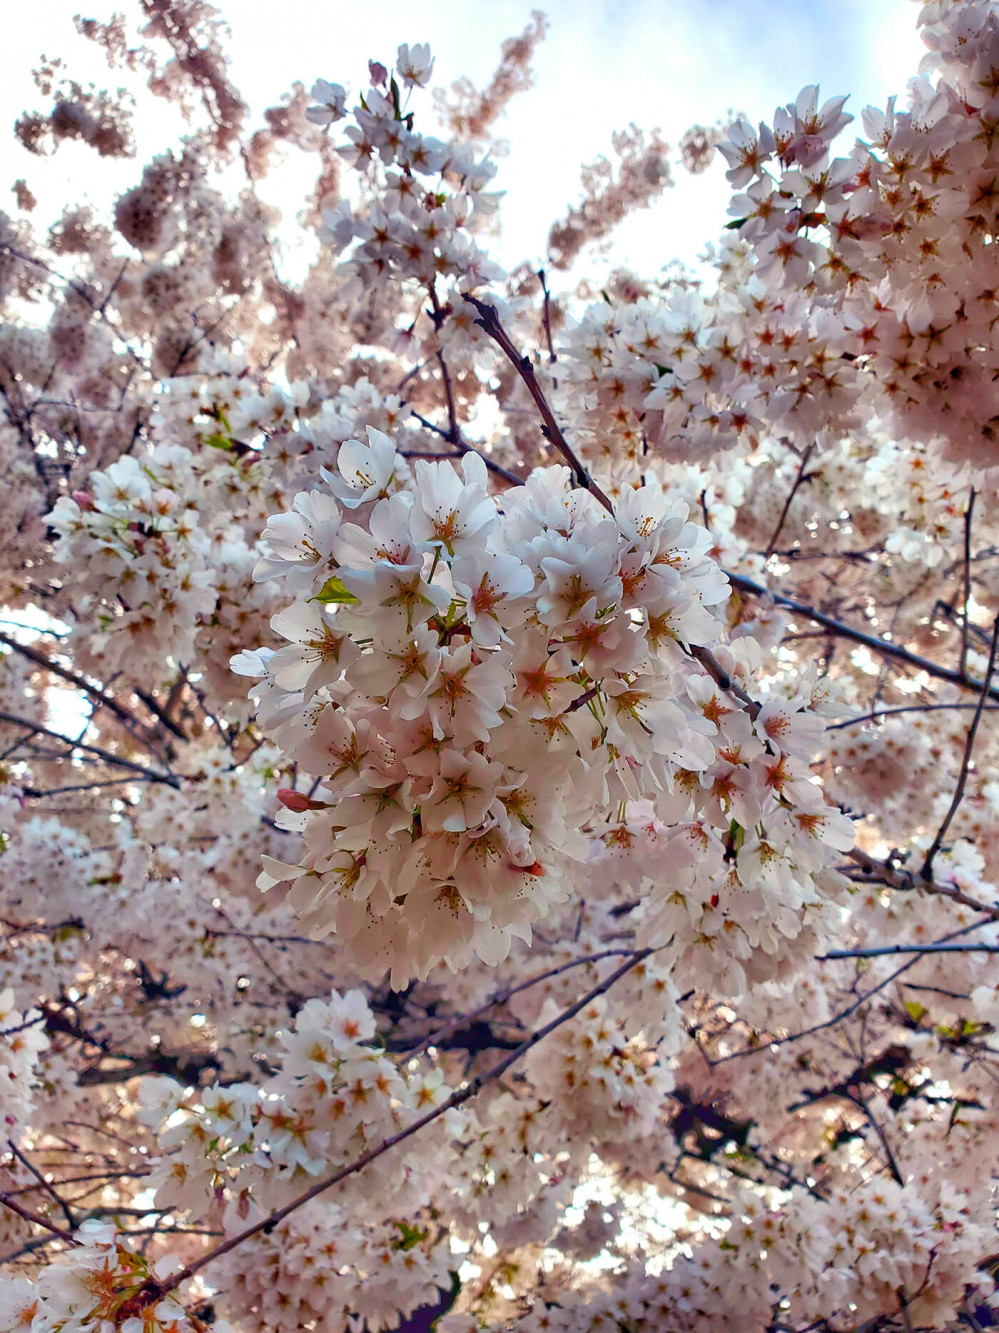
pixel 605 63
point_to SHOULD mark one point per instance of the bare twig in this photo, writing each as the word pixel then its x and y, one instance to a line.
pixel 926 873
pixel 546 316
pixel 36 729
pixel 907 708
pixel 886 950
pixel 963 660
pixel 502 996
pixel 799 480
pixel 837 1018
pixel 876 1125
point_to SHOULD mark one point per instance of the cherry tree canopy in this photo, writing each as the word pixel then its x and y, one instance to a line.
pixel 498 816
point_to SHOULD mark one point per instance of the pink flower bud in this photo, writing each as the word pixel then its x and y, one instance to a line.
pixel 84 499
pixel 293 800
pixel 378 73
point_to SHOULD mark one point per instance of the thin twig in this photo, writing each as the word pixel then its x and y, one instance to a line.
pixel 872 1120
pixel 885 950
pixel 46 1185
pixel 546 316
pixel 489 321
pixel 101 698
pixel 501 997
pixel 439 317
pixel 963 660
pixel 836 1019
pixel 907 708
pixel 798 482
pixel 903 1304
pixel 36 729
pixel 926 872
pixel 466 448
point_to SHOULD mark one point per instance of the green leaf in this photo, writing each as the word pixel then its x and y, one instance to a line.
pixel 409 1237
pixel 333 592
pixel 218 441
pixel 736 224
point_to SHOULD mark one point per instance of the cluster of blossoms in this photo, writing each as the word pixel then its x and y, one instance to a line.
pixel 317 1268
pixel 885 1243
pixel 432 192
pixel 897 237
pixel 21 1040
pixel 141 535
pixel 604 1087
pixel 97 1285
pixel 335 1097
pixel 475 685
pixel 238 1151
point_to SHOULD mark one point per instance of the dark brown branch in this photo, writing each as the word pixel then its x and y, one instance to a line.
pixel 894 876
pixel 489 321
pixel 36 729
pixel 99 696
pixel 881 646
pixel 43 1222
pixel 44 1184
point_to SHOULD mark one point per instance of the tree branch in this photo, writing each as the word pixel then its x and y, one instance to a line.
pixel 489 321
pixel 457 1098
